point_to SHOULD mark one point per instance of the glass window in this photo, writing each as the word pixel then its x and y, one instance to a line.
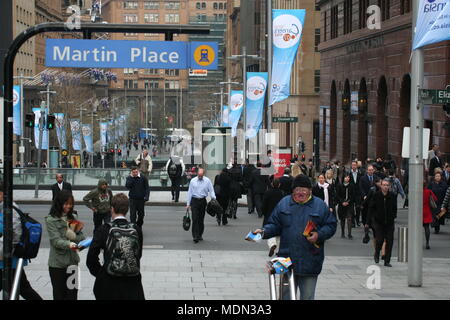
pixel 172 18
pixel 197 5
pixel 317 80
pixel 130 5
pixel 172 72
pixel 317 40
pixel 130 18
pixel 220 6
pixel 215 6
pixel 172 5
pixel 203 5
pixel 151 17
pixel 151 5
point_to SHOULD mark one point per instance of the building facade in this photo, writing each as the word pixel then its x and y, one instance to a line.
pixel 366 84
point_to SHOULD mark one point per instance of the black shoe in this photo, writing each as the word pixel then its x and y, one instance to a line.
pixel 387 264
pixel 195 240
pixel 272 250
pixel 376 258
pixel 350 237
pixel 250 212
pixel 201 239
pixel 234 217
pixel 382 258
pixel 224 223
pixel 428 247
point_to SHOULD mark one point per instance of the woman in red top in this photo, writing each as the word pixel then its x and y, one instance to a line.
pixel 427 216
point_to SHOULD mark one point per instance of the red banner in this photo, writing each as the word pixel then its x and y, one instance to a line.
pixel 282 159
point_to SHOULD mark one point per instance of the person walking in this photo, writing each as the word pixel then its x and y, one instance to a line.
pixel 25 290
pixel 199 188
pixel 324 191
pixel 144 163
pixel 247 175
pixel 271 199
pixel 99 201
pixel 222 184
pixel 139 194
pixel 383 212
pixel 355 178
pixel 311 171
pixel 64 232
pixel 366 220
pixel 119 277
pixel 299 167
pixel 396 187
pixel 439 188
pixel 428 195
pixel 259 184
pixel 346 200
pixel 60 185
pixel 236 188
pixel 306 252
pixel 286 181
pixel 175 169
pixel 435 163
pixel 367 182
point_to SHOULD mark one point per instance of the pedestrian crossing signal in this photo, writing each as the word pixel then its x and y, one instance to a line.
pixel 29 120
pixel 51 121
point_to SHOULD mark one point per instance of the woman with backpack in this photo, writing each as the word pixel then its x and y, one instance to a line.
pixel 428 198
pixel 65 233
pixel 439 188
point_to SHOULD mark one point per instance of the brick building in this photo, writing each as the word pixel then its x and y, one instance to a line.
pixel 365 82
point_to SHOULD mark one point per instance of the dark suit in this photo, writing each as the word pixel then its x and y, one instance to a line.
pixel 356 193
pixel 286 184
pixel 259 184
pixel 56 190
pixel 435 163
pixel 445 178
pixel 365 185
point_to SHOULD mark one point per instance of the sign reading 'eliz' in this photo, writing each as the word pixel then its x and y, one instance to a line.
pixel 131 54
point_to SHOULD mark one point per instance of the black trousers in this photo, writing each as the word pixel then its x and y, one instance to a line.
pixel 250 200
pixel 223 201
pixel 25 289
pixel 175 188
pixel 61 291
pixel 198 207
pixel 100 218
pixel 384 232
pixel 137 211
pixel 258 202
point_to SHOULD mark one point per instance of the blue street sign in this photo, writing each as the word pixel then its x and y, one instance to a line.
pixel 131 54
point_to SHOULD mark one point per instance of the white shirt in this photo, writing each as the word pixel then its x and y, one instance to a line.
pixel 60 185
pixel 200 189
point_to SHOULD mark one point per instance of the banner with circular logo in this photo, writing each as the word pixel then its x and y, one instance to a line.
pixel 433 23
pixel 237 101
pixel 86 129
pixel 256 91
pixel 287 33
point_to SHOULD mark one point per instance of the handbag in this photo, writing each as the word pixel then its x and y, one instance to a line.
pixel 433 204
pixel 187 220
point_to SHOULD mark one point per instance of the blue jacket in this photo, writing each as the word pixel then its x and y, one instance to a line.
pixel 16 228
pixel 288 220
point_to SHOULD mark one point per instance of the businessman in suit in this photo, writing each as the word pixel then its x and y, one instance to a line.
pixel 366 182
pixel 354 182
pixel 60 185
pixel 436 162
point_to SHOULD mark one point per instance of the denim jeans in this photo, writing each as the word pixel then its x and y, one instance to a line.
pixel 306 284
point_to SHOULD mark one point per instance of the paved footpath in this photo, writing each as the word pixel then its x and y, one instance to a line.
pixel 231 275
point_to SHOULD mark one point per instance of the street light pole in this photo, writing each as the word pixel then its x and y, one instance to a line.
pixel 269 62
pixel 22 127
pixel 41 129
pixel 415 250
pixel 48 92
pixel 146 112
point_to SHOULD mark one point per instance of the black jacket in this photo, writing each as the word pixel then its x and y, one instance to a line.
pixel 365 185
pixel 236 185
pixel 107 287
pixel 344 194
pixel 318 192
pixel 355 185
pixel 56 190
pixel 259 183
pixel 270 200
pixel 435 163
pixel 286 184
pixel 383 209
pixel 139 188
pixel 223 180
pixel 247 175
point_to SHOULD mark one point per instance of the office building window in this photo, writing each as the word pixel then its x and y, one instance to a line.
pixel 363 5
pixel 151 5
pixel 215 6
pixel 348 5
pixel 151 71
pixel 130 4
pixel 316 80
pixel 325 25
pixel 317 40
pixel 130 18
pixel 151 17
pixel 172 72
pixel 130 70
pixel 203 5
pixel 198 5
pixel 224 6
pixel 172 5
pixel 130 84
pixel 151 84
pixel 384 6
pixel 172 18
pixel 334 22
pixel 172 84
pixel 220 6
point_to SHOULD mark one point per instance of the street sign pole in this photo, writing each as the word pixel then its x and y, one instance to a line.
pixel 269 63
pixel 41 129
pixel 415 216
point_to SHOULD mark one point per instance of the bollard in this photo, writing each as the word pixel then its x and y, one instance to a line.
pixel 402 244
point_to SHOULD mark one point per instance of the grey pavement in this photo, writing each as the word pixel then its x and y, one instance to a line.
pixel 232 275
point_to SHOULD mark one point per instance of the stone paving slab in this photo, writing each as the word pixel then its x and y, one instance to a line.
pixel 342 278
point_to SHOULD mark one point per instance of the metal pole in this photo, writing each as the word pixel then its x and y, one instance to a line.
pixel 41 129
pixel 18 275
pixel 151 112
pixel 115 142
pixel 181 105
pixel 269 63
pixel 244 105
pixel 46 121
pixel 415 250
pixel 146 112
pixel 221 105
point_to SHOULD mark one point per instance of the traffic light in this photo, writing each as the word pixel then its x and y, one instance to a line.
pixel 303 158
pixel 51 121
pixel 111 151
pixel 303 146
pixel 446 108
pixel 119 152
pixel 29 120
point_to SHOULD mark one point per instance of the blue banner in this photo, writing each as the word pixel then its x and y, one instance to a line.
pixel 433 23
pixel 287 33
pixel 37 117
pixel 103 134
pixel 225 116
pixel 237 100
pixel 131 54
pixel 16 111
pixel 75 128
pixel 86 129
pixel 254 103
pixel 61 130
pixel 122 126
